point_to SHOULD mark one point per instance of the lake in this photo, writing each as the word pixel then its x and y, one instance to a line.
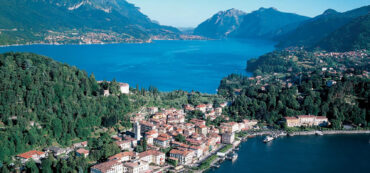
pixel 167 65
pixel 303 154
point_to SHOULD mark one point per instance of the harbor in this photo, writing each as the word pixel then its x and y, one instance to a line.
pixel 256 156
pixel 258 138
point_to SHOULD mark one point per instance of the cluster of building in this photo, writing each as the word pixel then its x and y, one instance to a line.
pixel 79 148
pixel 93 37
pixel 162 130
pixel 306 120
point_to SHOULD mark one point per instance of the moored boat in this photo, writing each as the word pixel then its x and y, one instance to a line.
pixel 268 139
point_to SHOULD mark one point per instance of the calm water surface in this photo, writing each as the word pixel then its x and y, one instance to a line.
pixel 168 65
pixel 302 154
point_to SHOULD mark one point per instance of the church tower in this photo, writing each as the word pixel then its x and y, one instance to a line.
pixel 137 131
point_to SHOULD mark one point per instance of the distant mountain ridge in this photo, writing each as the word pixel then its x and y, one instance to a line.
pixel 262 23
pixel 221 24
pixel 76 21
pixel 313 30
pixel 267 23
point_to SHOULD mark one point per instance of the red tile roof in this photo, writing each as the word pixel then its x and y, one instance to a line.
pixel 291 118
pixel 105 166
pixel 150 152
pixel 29 154
pixel 122 154
pixel 82 151
pixel 306 116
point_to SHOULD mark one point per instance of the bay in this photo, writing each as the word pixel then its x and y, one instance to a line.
pixel 167 65
pixel 303 154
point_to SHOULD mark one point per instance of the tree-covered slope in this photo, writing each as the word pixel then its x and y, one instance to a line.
pixel 267 23
pixel 43 102
pixel 352 36
pixel 24 21
pixel 312 31
pixel 299 82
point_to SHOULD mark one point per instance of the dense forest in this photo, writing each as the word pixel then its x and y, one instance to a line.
pixel 43 102
pixel 353 36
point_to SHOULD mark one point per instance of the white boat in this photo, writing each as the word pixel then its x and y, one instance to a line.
pixel 319 133
pixel 268 139
pixel 234 157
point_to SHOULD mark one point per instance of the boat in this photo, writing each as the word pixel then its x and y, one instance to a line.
pixel 291 134
pixel 319 133
pixel 268 139
pixel 234 157
pixel 216 166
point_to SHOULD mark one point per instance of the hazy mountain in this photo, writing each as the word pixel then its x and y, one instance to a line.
pixel 316 29
pixel 221 24
pixel 352 36
pixel 267 23
pixel 27 21
pixel 263 23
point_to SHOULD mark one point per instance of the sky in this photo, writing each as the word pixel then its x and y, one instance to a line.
pixel 190 13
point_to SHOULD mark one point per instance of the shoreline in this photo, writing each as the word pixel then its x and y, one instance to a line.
pixel 104 43
pixel 312 132
pixel 292 134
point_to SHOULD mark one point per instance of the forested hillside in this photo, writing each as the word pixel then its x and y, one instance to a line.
pixel 310 32
pixel 352 36
pixel 76 21
pixel 296 82
pixel 43 102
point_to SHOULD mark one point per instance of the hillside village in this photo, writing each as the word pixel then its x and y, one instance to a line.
pixel 167 139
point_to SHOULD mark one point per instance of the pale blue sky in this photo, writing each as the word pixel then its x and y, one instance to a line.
pixel 189 13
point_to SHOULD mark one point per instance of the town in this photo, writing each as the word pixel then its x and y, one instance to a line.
pixel 166 139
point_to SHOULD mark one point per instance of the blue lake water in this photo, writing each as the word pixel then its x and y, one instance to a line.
pixel 303 154
pixel 168 65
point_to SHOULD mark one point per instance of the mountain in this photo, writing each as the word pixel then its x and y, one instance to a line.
pixel 221 24
pixel 313 30
pixel 352 36
pixel 76 21
pixel 267 23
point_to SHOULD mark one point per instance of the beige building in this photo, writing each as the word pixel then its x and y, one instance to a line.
pixel 112 166
pixel 153 156
pixel 184 157
pixel 123 156
pixel 307 120
pixel 136 167
pixel 292 121
pixel 321 121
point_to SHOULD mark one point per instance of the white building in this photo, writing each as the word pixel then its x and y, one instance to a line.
pixel 228 138
pixel 137 131
pixel 124 88
pixel 124 145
